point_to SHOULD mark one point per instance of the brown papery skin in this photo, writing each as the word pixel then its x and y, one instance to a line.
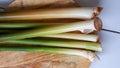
pixel 97 12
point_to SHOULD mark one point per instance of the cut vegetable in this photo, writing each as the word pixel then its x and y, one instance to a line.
pixel 79 13
pixel 26 24
pixel 83 26
pixel 59 43
pixel 88 54
pixel 75 36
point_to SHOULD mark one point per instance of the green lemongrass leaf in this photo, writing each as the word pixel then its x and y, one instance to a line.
pixel 79 13
pixel 6 31
pixel 59 43
pixel 82 26
pixel 17 25
pixel 25 24
pixel 84 53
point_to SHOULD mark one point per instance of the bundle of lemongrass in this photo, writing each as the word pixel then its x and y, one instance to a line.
pixel 58 38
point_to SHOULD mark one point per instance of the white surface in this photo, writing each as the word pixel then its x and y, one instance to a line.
pixel 110 57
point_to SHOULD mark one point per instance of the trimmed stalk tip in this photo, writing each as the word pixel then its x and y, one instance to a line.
pixel 98 24
pixel 97 11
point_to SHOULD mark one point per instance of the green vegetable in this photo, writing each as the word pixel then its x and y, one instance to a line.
pixel 25 24
pixel 88 54
pixel 17 25
pixel 83 26
pixel 74 13
pixel 59 43
pixel 6 31
pixel 74 36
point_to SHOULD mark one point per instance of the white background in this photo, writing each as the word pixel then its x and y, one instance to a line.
pixel 110 57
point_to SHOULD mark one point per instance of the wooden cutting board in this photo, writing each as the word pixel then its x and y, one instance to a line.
pixel 20 59
pixel 35 4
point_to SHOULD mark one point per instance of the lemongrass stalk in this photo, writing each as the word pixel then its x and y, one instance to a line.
pixel 86 37
pixel 59 43
pixel 75 36
pixel 83 26
pixel 7 31
pixel 84 53
pixel 79 13
pixel 18 25
pixel 25 24
pixel 4 30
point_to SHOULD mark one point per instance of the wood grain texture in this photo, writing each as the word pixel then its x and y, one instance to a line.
pixel 17 59
pixel 18 5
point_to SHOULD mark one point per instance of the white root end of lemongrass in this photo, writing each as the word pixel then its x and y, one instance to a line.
pixel 74 13
pixel 91 25
pixel 85 37
pixel 87 54
pixel 83 26
pixel 88 26
pixel 97 11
